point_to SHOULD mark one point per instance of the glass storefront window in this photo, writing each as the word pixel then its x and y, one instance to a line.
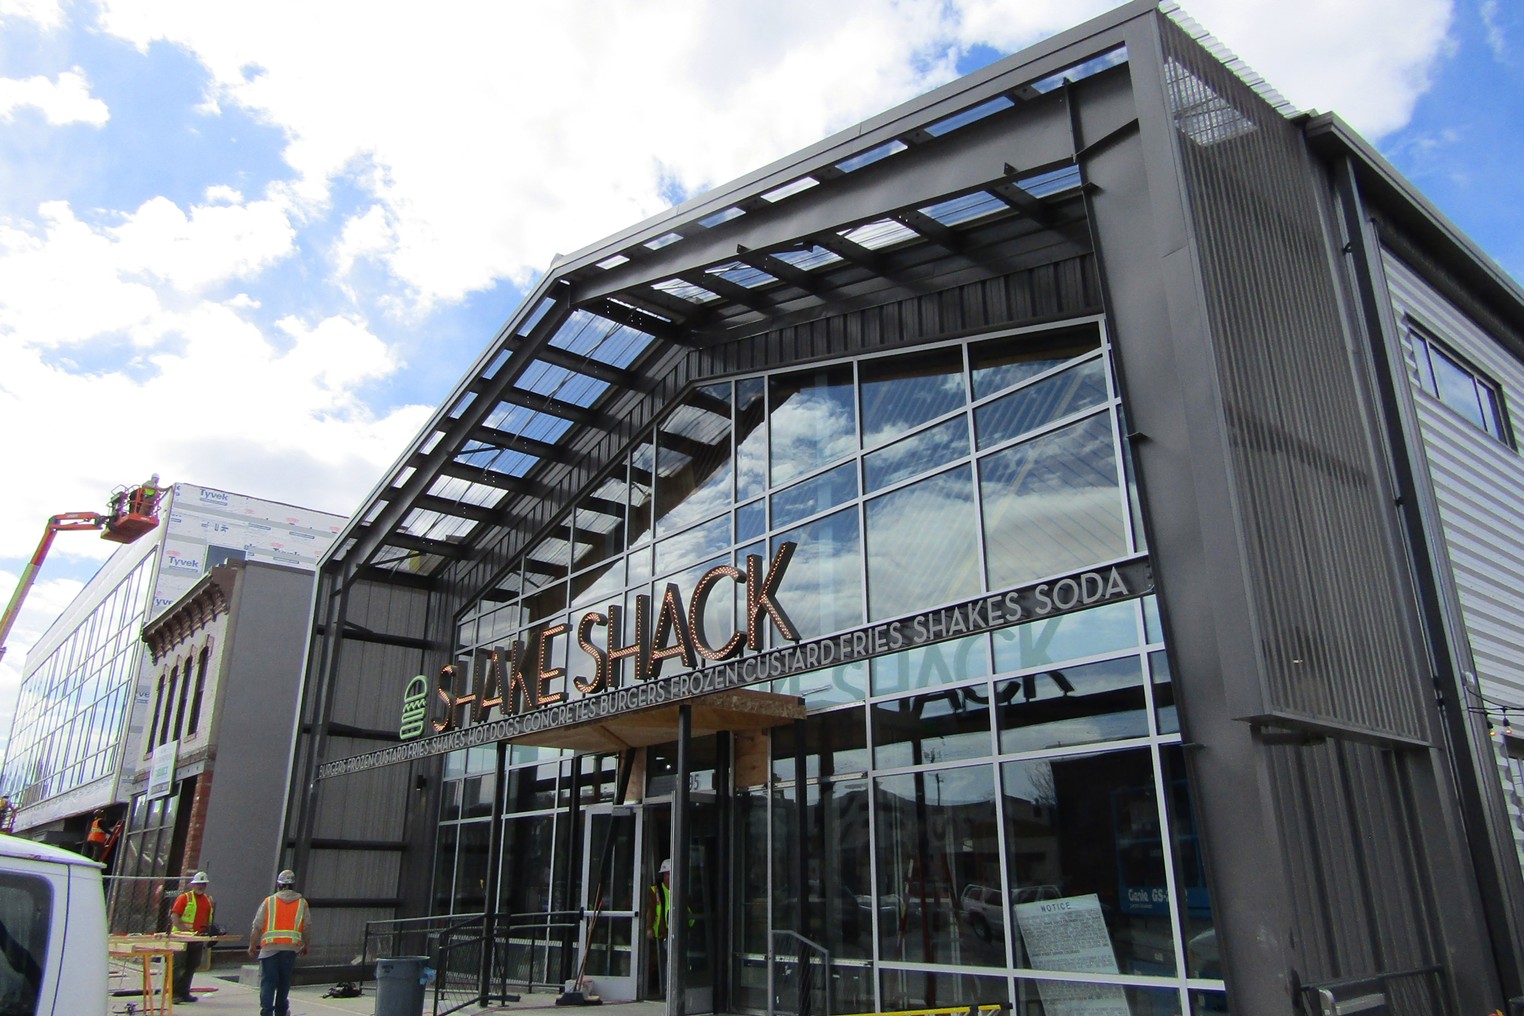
pixel 815 495
pixel 900 393
pixel 751 438
pixel 825 585
pixel 940 726
pixel 693 463
pixel 916 454
pixel 846 682
pixel 903 990
pixel 1090 632
pixel 1053 504
pixel 1004 362
pixel 835 742
pixel 936 832
pixel 918 547
pixel 812 421
pixel 1084 831
pixel 1069 706
pixel 1081 387
pixel 988 803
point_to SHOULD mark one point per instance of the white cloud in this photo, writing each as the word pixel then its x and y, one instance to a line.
pixel 45 13
pixel 66 100
pixel 1367 60
pixel 484 165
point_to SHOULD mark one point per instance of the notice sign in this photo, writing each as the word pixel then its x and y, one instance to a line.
pixel 161 771
pixel 1069 934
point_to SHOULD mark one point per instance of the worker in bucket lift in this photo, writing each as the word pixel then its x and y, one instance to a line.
pixel 146 497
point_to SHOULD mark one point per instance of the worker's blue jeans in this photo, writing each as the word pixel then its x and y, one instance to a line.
pixel 275 973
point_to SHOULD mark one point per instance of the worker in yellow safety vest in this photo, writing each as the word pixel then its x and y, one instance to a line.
pixel 281 931
pixel 191 913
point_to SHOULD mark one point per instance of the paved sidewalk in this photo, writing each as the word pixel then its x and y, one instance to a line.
pixel 230 998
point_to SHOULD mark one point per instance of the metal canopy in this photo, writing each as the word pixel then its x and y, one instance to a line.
pixel 977 179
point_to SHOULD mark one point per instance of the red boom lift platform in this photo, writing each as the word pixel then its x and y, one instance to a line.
pixel 134 512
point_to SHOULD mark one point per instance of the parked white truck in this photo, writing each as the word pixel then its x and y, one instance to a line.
pixel 52 932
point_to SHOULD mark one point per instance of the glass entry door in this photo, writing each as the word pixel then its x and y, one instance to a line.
pixel 702 920
pixel 613 938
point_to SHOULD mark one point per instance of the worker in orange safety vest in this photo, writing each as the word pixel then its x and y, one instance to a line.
pixel 281 931
pixel 95 839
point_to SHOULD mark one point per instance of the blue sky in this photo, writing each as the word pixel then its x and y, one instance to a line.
pixel 252 245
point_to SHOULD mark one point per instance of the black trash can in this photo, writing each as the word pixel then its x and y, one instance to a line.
pixel 399 985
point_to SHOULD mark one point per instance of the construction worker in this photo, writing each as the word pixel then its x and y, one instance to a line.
pixel 191 913
pixel 95 839
pixel 661 918
pixel 146 497
pixel 281 931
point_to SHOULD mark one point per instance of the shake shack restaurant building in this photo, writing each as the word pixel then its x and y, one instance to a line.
pixel 986 552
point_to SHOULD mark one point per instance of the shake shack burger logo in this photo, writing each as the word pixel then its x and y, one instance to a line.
pixel 520 677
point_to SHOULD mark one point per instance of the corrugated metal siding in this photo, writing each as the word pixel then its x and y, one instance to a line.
pixel 1338 803
pixel 1479 488
pixel 1332 607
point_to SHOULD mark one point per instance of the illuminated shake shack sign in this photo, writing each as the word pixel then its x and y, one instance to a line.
pixel 517 690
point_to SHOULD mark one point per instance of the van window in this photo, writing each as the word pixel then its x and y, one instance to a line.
pixel 26 903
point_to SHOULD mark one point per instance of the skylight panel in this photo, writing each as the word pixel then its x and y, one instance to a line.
pixel 733 212
pixel 967 208
pixel 613 262
pixel 496 364
pixel 788 190
pixel 696 424
pixel 968 116
pixel 600 338
pixel 462 404
pixel 741 274
pixel 872 155
pixel 685 291
pixel 499 460
pixel 1078 72
pixel 880 234
pixel 664 240
pixel 546 427
pixel 1044 184
pixel 538 315
pixel 453 488
pixel 808 259
pixel 432 525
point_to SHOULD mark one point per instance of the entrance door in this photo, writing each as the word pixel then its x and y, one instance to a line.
pixel 611 930
pixel 703 918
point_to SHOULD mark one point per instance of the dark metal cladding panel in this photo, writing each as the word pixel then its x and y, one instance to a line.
pixel 1333 609
pixel 1363 901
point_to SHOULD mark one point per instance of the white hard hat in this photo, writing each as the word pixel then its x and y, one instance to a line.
pixel 286 877
pixel 666 866
pixel 199 878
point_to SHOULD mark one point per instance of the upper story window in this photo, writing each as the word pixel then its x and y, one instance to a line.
pixel 1460 386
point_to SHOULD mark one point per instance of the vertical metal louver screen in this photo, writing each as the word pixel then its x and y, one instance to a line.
pixel 1332 608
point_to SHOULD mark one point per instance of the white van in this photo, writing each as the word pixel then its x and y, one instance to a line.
pixel 52 931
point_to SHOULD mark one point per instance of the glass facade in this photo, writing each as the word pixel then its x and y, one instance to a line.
pixel 70 719
pixel 998 818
